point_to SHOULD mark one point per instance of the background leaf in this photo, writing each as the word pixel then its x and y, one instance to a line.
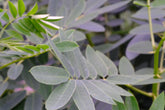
pixel 10 101
pixel 33 102
pixel 14 71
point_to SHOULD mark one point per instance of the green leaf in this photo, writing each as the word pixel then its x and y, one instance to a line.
pixel 158 3
pixel 21 7
pixel 45 91
pixel 92 70
pixel 35 38
pixel 14 34
pixel 49 25
pixel 49 75
pixel 33 102
pixel 97 93
pixel 66 46
pixel 128 79
pixel 38 26
pixel 119 106
pixel 25 50
pixel 13 9
pixel 3 87
pixel 10 101
pixel 125 67
pixel 5 17
pixel 110 65
pixel 27 24
pixel 33 10
pixel 140 3
pixel 143 47
pixel 78 36
pixel 20 29
pixel 42 46
pixel 131 103
pixel 96 61
pixel 61 95
pixel 82 97
pixel 14 71
pixel 109 90
pixel 64 61
pixel 158 103
pixel 31 47
pixel 78 62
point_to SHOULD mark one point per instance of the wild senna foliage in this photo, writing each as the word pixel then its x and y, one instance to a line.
pixel 76 78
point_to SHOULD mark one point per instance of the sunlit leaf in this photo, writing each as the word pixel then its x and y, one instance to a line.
pixel 13 9
pixel 96 61
pixel 21 7
pixel 49 75
pixel 20 29
pixel 61 95
pixel 14 34
pixel 97 93
pixel 33 10
pixel 82 97
pixel 66 46
pixel 125 67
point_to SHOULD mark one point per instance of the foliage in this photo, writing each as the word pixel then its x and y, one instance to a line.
pixel 58 58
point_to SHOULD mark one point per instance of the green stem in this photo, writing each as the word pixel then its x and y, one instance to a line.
pixel 156 58
pixel 162 58
pixel 150 24
pixel 23 58
pixel 90 40
pixel 156 86
pixel 139 91
pixel 3 29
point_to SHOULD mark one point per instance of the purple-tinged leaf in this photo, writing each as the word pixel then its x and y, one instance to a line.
pixel 115 22
pixel 137 38
pixel 143 13
pixel 143 47
pixel 111 47
pixel 112 7
pixel 92 26
pixel 93 4
pixel 144 29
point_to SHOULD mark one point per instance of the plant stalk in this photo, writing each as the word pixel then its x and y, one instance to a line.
pixel 22 59
pixel 139 91
pixel 150 24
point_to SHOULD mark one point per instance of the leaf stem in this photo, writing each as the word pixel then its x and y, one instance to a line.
pixel 23 58
pixel 150 24
pixel 90 40
pixel 139 91
pixel 156 86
